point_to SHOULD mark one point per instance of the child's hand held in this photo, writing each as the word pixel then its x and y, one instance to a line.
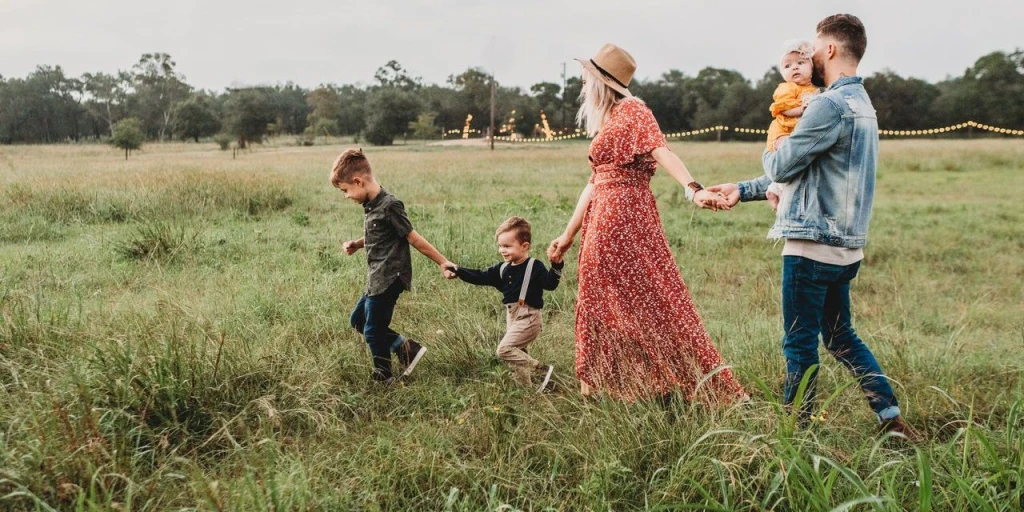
pixel 449 269
pixel 559 247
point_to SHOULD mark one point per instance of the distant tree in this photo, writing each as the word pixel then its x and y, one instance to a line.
pixel 14 98
pixel 322 128
pixel 474 88
pixel 43 107
pixel 759 114
pixel 996 82
pixel 901 103
pixel 668 100
pixel 394 75
pixel 247 112
pixel 445 103
pixel 290 108
pixel 159 88
pixel 352 116
pixel 324 106
pixel 392 104
pixel 526 107
pixel 127 135
pixel 570 96
pixel 707 90
pixel 66 95
pixel 223 140
pixel 423 127
pixel 196 117
pixel 390 112
pixel 108 96
pixel 48 105
pixel 549 100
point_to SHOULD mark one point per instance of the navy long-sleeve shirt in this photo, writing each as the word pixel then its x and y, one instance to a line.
pixel 511 283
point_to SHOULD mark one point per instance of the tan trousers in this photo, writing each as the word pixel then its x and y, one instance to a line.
pixel 524 325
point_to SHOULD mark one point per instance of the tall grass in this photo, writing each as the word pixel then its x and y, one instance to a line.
pixel 193 350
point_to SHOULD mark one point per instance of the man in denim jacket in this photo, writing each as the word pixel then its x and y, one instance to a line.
pixel 829 165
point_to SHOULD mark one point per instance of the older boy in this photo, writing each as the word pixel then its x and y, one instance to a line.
pixel 387 237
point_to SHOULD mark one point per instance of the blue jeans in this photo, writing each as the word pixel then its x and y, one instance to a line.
pixel 372 318
pixel 816 301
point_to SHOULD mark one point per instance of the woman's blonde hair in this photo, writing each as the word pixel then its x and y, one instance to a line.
pixel 596 102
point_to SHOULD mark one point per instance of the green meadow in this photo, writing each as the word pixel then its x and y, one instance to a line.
pixel 174 335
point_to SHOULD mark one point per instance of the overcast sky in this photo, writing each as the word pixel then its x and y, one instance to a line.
pixel 219 43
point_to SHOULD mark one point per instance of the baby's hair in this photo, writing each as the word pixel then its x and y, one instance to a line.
pixel 350 164
pixel 803 47
pixel 517 224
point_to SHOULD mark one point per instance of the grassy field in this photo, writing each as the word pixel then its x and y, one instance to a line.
pixel 174 334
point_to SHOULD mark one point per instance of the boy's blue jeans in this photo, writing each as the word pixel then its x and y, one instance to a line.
pixel 816 301
pixel 372 318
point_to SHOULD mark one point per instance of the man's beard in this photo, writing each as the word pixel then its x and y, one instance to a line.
pixel 817 76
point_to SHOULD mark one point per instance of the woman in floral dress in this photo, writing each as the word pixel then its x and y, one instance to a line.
pixel 638 334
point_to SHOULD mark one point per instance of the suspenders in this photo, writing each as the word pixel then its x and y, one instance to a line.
pixel 526 278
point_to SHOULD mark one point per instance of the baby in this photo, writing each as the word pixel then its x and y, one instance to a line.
pixel 791 97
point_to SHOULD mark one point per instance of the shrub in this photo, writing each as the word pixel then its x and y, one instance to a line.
pixel 127 135
pixel 223 140
pixel 158 240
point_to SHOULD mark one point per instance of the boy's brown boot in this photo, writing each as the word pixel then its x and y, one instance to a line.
pixel 898 426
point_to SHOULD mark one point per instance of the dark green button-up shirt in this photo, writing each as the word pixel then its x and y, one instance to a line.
pixel 387 250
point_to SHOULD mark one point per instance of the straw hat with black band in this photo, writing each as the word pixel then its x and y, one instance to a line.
pixel 613 66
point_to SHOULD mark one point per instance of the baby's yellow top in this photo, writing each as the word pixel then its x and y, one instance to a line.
pixel 787 96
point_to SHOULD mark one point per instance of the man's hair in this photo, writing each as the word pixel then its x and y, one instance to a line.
pixel 517 224
pixel 848 31
pixel 350 164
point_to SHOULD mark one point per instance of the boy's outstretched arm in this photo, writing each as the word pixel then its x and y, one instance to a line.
pixel 553 276
pixel 487 277
pixel 352 246
pixel 423 246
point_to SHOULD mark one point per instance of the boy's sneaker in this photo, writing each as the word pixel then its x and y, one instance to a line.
pixel 409 354
pixel 546 384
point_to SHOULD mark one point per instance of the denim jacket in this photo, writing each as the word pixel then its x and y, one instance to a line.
pixel 828 163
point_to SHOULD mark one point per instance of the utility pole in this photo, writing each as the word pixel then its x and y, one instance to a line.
pixel 492 112
pixel 564 124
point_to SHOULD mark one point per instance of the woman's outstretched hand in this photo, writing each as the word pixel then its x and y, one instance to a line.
pixel 709 200
pixel 559 247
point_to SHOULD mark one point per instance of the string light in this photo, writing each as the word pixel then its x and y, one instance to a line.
pixel 544 121
pixel 510 126
pixel 549 135
pixel 951 128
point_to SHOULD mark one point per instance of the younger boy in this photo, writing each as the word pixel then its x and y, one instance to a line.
pixel 522 281
pixel 387 237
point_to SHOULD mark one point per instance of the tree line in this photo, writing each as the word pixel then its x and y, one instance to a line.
pixel 155 100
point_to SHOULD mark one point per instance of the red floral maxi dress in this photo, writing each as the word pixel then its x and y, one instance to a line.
pixel 638 334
